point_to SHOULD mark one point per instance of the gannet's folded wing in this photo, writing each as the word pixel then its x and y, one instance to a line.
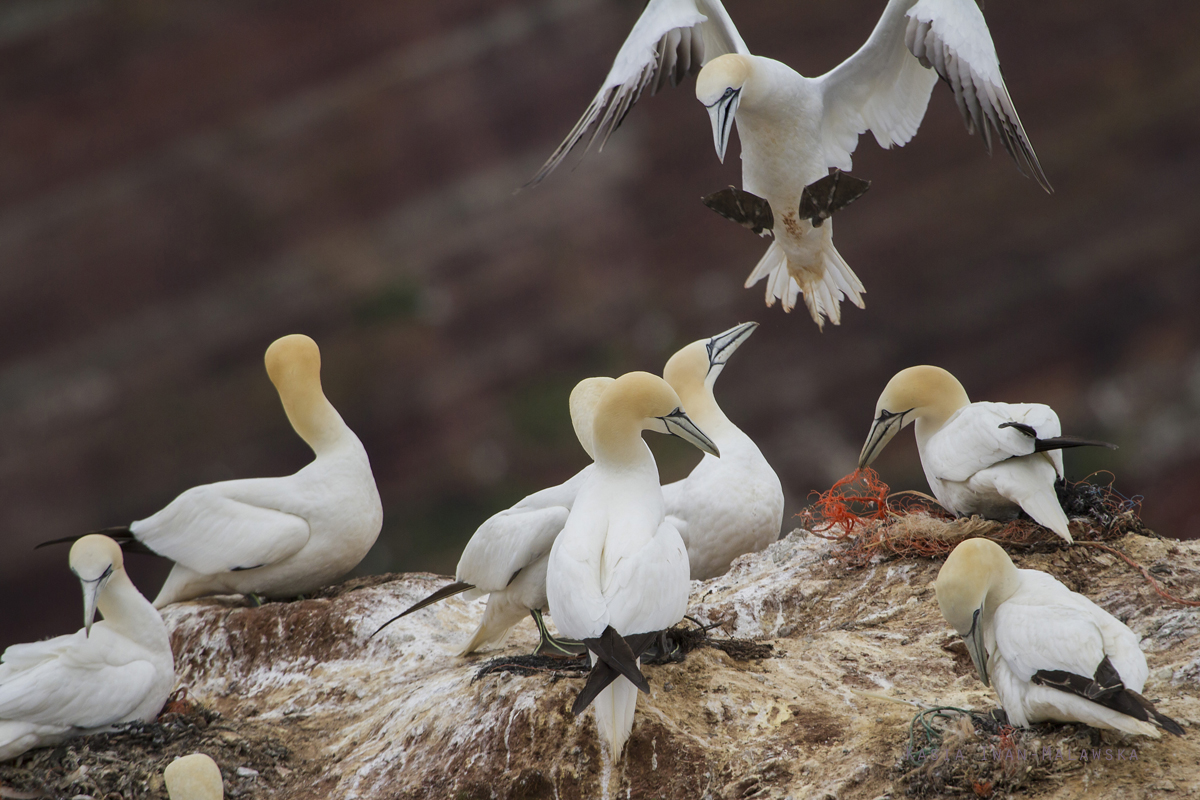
pixel 648 589
pixel 76 689
pixel 981 435
pixel 670 39
pixel 210 532
pixel 508 542
pixel 952 37
pixel 1049 637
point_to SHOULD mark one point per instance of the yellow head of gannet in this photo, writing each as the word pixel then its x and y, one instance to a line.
pixel 583 401
pixel 719 86
pixel 94 559
pixel 294 366
pixel 194 777
pixel 976 578
pixel 636 402
pixel 927 395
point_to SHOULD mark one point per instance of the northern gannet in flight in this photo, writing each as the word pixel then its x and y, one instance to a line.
pixel 795 129
pixel 507 555
pixel 730 505
pixel 618 572
pixel 194 777
pixel 117 670
pixel 1050 653
pixel 274 537
pixel 990 459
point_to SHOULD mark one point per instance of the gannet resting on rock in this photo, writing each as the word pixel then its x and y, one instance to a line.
pixel 275 537
pixel 1050 653
pixel 194 777
pixel 990 459
pixel 795 129
pixel 507 555
pixel 618 573
pixel 730 505
pixel 117 670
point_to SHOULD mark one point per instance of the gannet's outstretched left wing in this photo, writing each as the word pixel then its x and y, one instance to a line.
pixel 884 89
pixel 669 40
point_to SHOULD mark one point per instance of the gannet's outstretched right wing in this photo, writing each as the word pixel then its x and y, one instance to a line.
pixel 669 40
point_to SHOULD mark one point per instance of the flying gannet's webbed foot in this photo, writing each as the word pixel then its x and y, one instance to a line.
pixel 821 199
pixel 748 210
pixel 616 655
pixel 550 645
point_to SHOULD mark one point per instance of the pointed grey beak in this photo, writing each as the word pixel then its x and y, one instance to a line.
pixel 974 641
pixel 723 345
pixel 91 594
pixel 679 424
pixel 887 425
pixel 721 113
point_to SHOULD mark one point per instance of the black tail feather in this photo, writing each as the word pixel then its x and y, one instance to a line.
pixel 1107 689
pixel 441 594
pixel 1062 442
pixel 118 533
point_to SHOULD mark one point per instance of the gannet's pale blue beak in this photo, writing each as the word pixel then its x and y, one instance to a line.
pixel 885 426
pixel 974 642
pixel 677 423
pixel 721 113
pixel 91 594
pixel 723 345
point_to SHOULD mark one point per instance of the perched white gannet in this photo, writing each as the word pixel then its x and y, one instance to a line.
pixel 618 573
pixel 1050 653
pixel 113 671
pixel 194 777
pixel 507 555
pixel 275 537
pixel 730 505
pixel 794 129
pixel 989 459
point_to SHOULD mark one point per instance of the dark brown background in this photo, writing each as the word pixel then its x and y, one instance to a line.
pixel 181 183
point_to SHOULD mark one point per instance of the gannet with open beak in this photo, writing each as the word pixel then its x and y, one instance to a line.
pixel 275 537
pixel 730 505
pixel 795 129
pixel 1050 653
pixel 194 777
pixel 618 572
pixel 117 670
pixel 507 555
pixel 990 459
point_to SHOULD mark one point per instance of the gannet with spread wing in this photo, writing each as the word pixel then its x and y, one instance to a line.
pixel 618 572
pixel 1050 653
pixel 117 670
pixel 990 459
pixel 276 537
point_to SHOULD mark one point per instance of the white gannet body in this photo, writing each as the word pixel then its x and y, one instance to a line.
pixel 194 777
pixel 730 505
pixel 276 537
pixel 117 670
pixel 990 459
pixel 1049 653
pixel 794 129
pixel 619 568
pixel 506 557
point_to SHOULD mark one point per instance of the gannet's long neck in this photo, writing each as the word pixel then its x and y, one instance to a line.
pixel 313 417
pixel 701 406
pixel 127 612
pixel 618 444
pixel 931 416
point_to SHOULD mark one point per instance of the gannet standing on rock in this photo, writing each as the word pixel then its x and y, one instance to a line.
pixel 276 537
pixel 194 777
pixel 618 572
pixel 117 670
pixel 1050 653
pixel 990 459
pixel 730 505
pixel 507 555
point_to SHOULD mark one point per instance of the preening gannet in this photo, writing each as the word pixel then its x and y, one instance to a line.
pixel 194 777
pixel 730 505
pixel 275 537
pixel 506 556
pixel 989 459
pixel 794 129
pixel 618 572
pixel 117 670
pixel 1050 653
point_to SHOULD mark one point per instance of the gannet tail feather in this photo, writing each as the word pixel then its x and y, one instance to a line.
pixel 1046 511
pixel 441 594
pixel 1107 689
pixel 119 534
pixel 614 713
pixel 824 284
pixel 1060 442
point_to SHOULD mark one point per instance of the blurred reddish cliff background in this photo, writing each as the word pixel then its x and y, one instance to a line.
pixel 181 183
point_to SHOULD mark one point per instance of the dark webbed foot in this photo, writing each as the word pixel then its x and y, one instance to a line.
pixel 616 655
pixel 748 210
pixel 549 645
pixel 821 199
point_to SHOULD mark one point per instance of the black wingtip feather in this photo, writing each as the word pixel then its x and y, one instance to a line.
pixel 441 594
